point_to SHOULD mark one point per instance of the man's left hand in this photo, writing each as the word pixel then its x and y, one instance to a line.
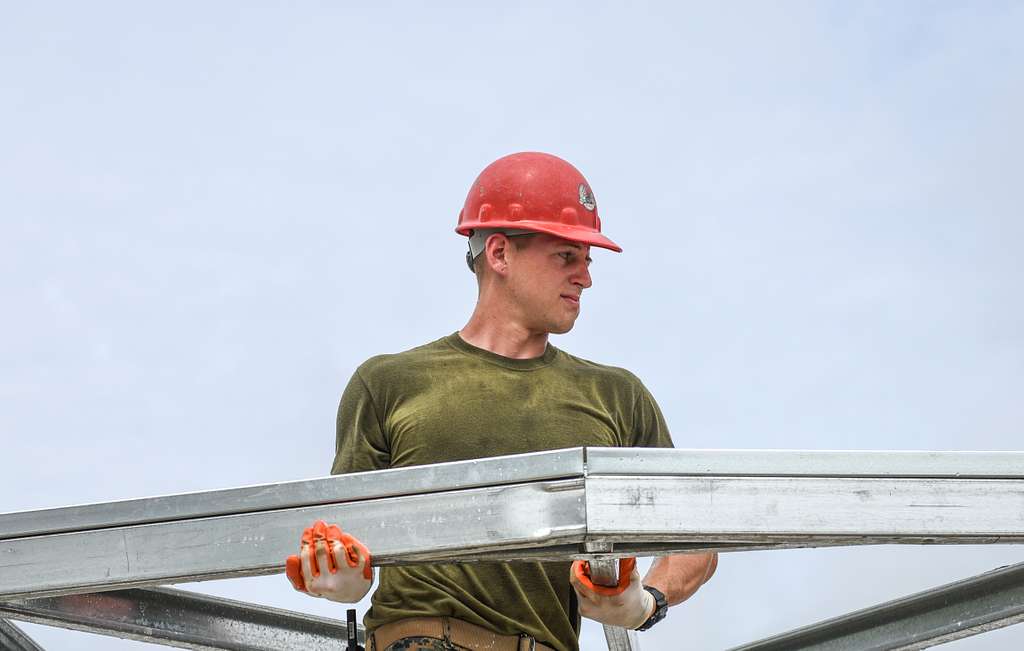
pixel 627 605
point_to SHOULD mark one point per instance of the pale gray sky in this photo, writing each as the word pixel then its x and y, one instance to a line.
pixel 211 213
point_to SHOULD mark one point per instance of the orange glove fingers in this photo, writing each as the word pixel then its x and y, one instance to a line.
pixel 309 537
pixel 323 534
pixel 581 569
pixel 318 538
pixel 353 551
pixel 351 555
pixel 332 561
pixel 332 534
pixel 308 532
pixel 368 570
pixel 314 562
pixel 626 567
pixel 293 569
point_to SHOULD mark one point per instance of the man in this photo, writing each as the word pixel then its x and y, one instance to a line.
pixel 498 387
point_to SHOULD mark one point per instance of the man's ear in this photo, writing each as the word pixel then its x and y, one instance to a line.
pixel 496 251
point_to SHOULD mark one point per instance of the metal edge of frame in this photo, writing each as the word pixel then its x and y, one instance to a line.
pixel 820 463
pixel 950 612
pixel 692 509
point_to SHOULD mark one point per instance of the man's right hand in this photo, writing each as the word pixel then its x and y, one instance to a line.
pixel 626 604
pixel 330 564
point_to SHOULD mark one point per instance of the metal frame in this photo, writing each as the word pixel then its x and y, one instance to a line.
pixel 13 638
pixel 596 503
pixel 976 605
pixel 182 619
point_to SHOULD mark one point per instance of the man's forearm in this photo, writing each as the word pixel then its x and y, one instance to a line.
pixel 679 576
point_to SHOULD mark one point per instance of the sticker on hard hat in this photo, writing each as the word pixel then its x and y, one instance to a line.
pixel 586 198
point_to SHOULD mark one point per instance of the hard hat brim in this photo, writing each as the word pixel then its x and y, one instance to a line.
pixel 565 231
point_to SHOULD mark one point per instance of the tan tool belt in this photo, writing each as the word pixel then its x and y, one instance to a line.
pixel 454 631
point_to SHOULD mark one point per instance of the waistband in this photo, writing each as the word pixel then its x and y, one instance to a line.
pixel 453 631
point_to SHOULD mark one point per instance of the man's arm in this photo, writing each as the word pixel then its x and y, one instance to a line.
pixel 679 576
pixel 628 604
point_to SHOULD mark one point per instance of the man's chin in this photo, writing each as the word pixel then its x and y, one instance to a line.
pixel 562 328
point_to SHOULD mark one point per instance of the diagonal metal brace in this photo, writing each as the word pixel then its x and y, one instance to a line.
pixel 13 638
pixel 180 619
pixel 976 605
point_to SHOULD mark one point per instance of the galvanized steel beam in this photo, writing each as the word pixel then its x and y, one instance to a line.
pixel 417 480
pixel 396 529
pixel 181 619
pixel 804 510
pixel 950 612
pixel 541 505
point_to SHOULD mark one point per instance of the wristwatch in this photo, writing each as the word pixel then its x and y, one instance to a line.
pixel 660 608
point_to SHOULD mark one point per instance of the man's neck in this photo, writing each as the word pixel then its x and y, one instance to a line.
pixel 503 337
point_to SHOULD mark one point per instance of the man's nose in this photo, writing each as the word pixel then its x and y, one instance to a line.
pixel 582 278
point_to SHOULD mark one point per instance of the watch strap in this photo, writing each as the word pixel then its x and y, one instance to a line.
pixel 660 608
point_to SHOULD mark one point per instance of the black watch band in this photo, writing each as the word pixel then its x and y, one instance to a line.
pixel 660 608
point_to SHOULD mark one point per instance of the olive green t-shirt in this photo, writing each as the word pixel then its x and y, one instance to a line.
pixel 449 401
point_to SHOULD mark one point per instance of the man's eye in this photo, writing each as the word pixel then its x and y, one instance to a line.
pixel 566 256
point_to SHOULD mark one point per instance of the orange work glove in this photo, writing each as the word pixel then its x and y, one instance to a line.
pixel 322 547
pixel 626 604
pixel 581 570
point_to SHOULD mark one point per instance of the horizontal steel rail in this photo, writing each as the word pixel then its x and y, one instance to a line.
pixel 804 509
pixel 541 505
pixel 418 480
pixel 950 612
pixel 556 464
pixel 394 528
pixel 181 619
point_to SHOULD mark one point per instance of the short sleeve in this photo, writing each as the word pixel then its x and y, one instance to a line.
pixel 361 443
pixel 649 427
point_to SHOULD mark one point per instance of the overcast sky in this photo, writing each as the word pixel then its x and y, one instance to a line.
pixel 213 212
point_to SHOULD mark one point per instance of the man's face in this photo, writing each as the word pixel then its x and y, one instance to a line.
pixel 546 278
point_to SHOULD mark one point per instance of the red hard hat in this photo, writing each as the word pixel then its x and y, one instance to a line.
pixel 538 192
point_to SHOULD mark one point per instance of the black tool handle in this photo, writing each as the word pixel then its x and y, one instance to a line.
pixel 353 639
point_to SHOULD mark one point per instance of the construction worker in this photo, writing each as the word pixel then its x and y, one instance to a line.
pixel 498 387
